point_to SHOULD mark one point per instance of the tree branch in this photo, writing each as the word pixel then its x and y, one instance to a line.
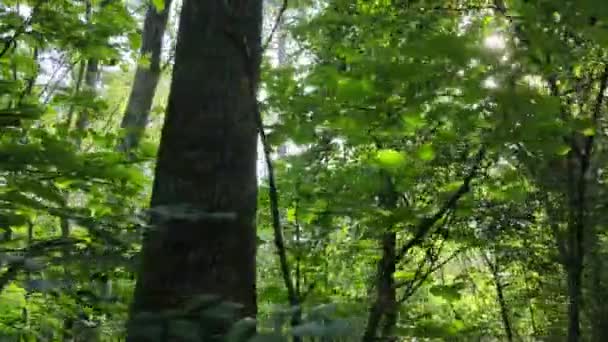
pixel 32 251
pixel 426 224
pixel 240 43
pixel 277 22
pixel 415 285
pixel 19 31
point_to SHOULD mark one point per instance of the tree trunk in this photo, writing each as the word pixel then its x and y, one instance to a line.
pixel 385 305
pixel 500 297
pixel 574 295
pixel 389 245
pixel 90 80
pixel 576 235
pixel 146 77
pixel 599 311
pixel 504 313
pixel 206 163
pixel 91 76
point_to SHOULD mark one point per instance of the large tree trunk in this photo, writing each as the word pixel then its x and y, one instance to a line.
pixel 146 77
pixel 207 163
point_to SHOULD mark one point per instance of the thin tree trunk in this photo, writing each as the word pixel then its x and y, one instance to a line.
pixel 389 245
pixel 385 304
pixel 599 316
pixel 574 261
pixel 373 322
pixel 146 77
pixel 504 311
pixel 206 166
pixel 91 75
pixel 500 297
pixel 24 312
pixel 535 330
pixel 574 305
pixel 579 224
pixel 79 78
pixel 90 80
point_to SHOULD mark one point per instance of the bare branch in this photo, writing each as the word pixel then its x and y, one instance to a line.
pixel 276 25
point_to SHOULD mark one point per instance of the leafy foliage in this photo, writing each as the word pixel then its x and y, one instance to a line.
pixel 472 133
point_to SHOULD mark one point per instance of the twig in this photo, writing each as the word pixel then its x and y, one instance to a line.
pixel 427 223
pixel 19 31
pixel 413 286
pixel 34 250
pixel 274 208
pixel 277 22
pixel 49 88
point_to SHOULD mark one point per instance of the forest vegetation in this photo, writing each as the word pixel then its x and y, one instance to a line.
pixel 303 170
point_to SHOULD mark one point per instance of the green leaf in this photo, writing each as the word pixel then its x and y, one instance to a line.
pixel 588 132
pixel 413 121
pixel 159 5
pixel 563 150
pixel 426 152
pixel 447 292
pixel 404 275
pixel 389 158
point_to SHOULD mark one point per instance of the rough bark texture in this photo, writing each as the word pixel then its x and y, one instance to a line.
pixel 146 77
pixel 206 162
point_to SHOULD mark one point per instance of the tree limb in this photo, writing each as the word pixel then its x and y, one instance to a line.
pixel 426 224
pixel 277 22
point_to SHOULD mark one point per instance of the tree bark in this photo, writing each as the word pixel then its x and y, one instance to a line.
pixel 384 310
pixel 574 296
pixel 599 312
pixel 146 77
pixel 207 163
